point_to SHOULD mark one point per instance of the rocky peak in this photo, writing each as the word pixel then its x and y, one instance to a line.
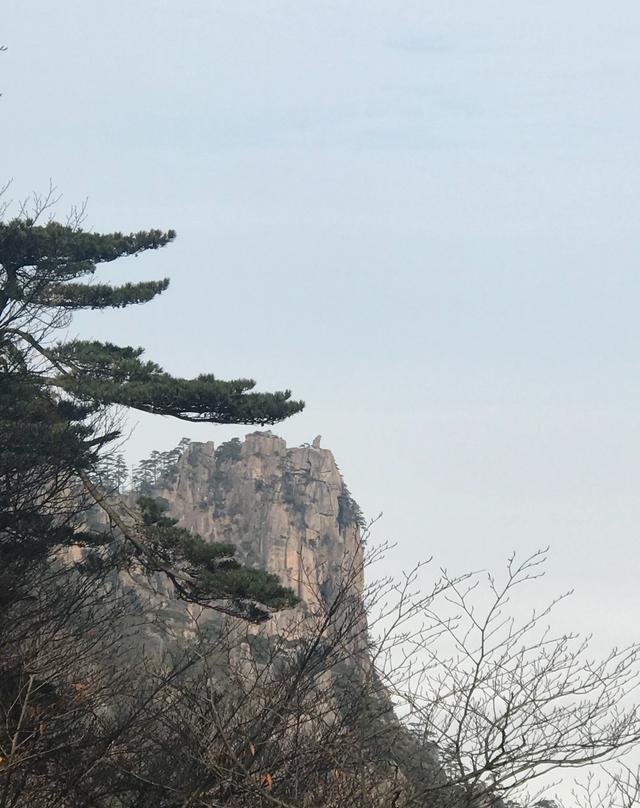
pixel 286 509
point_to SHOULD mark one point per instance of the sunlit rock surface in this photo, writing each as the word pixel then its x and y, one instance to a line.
pixel 284 508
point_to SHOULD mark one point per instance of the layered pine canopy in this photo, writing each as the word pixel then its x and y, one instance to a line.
pixel 56 397
pixel 40 269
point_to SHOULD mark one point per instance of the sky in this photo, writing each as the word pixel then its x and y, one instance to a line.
pixel 422 217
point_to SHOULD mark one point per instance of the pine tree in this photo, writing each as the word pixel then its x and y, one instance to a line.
pixel 41 269
pixel 56 398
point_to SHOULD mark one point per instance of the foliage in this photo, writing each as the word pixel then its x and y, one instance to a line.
pixel 111 473
pixel 242 718
pixel 212 563
pixel 158 467
pixel 58 397
pixel 44 441
pixel 230 450
pixel 349 512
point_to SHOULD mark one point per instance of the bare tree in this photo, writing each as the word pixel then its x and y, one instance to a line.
pixel 605 788
pixel 378 695
pixel 506 700
pixel 387 696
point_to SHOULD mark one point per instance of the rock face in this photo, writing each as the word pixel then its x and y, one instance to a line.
pixel 286 509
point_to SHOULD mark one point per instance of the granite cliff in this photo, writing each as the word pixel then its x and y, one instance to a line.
pixel 286 509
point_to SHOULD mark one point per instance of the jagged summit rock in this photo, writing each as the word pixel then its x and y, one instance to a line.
pixel 286 509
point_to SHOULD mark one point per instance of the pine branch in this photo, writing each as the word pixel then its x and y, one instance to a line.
pixel 101 296
pixel 187 586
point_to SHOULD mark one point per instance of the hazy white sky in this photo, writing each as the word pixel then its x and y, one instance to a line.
pixel 420 216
